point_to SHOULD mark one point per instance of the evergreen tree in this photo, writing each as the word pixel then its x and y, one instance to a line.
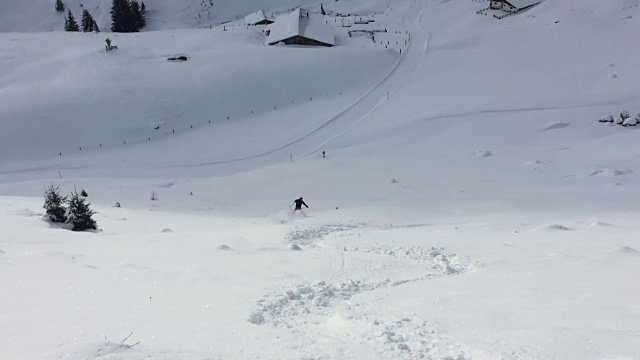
pixel 95 26
pixel 59 6
pixel 120 16
pixel 322 10
pixel 129 20
pixel 54 204
pixel 143 14
pixel 70 23
pixel 87 21
pixel 136 16
pixel 127 16
pixel 80 215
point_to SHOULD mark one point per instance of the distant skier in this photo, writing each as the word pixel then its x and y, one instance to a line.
pixel 299 202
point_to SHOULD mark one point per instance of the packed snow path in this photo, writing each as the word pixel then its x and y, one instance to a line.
pixel 376 97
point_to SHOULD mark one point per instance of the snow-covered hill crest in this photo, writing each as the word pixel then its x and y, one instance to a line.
pixel 40 15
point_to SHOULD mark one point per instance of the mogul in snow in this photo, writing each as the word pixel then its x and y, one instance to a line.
pixel 299 202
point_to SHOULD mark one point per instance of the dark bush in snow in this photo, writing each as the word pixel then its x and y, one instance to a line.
pixel 54 204
pixel 59 6
pixel 178 58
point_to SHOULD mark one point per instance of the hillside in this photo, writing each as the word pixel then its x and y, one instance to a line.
pixel 39 15
pixel 469 204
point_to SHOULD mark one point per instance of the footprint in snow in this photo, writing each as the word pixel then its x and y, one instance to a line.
pixel 294 247
pixel 554 126
pixel 557 227
pixel 482 154
pixel 611 172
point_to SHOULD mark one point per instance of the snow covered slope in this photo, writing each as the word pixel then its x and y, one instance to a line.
pixel 232 82
pixel 469 206
pixel 40 15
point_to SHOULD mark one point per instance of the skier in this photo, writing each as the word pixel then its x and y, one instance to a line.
pixel 299 202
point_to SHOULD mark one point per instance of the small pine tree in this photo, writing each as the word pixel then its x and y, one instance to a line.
pixel 322 10
pixel 54 204
pixel 70 23
pixel 87 21
pixel 80 214
pixel 59 6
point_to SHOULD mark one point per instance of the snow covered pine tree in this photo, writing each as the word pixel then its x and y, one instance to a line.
pixel 79 214
pixel 88 23
pixel 70 23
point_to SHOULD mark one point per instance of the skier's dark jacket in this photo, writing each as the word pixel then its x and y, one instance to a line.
pixel 299 203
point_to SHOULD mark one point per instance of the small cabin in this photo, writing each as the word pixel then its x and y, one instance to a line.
pixel 258 18
pixel 301 27
pixel 513 6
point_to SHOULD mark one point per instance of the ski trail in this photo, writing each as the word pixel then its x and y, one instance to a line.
pixel 418 26
pixel 406 63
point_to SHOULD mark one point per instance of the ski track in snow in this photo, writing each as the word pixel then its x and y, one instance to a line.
pixel 309 235
pixel 319 304
pixel 553 290
pixel 411 68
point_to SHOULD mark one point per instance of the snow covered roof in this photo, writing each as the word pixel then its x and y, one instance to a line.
pixel 257 17
pixel 301 23
pixel 521 4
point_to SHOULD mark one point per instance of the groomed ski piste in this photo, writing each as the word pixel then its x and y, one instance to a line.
pixel 470 205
